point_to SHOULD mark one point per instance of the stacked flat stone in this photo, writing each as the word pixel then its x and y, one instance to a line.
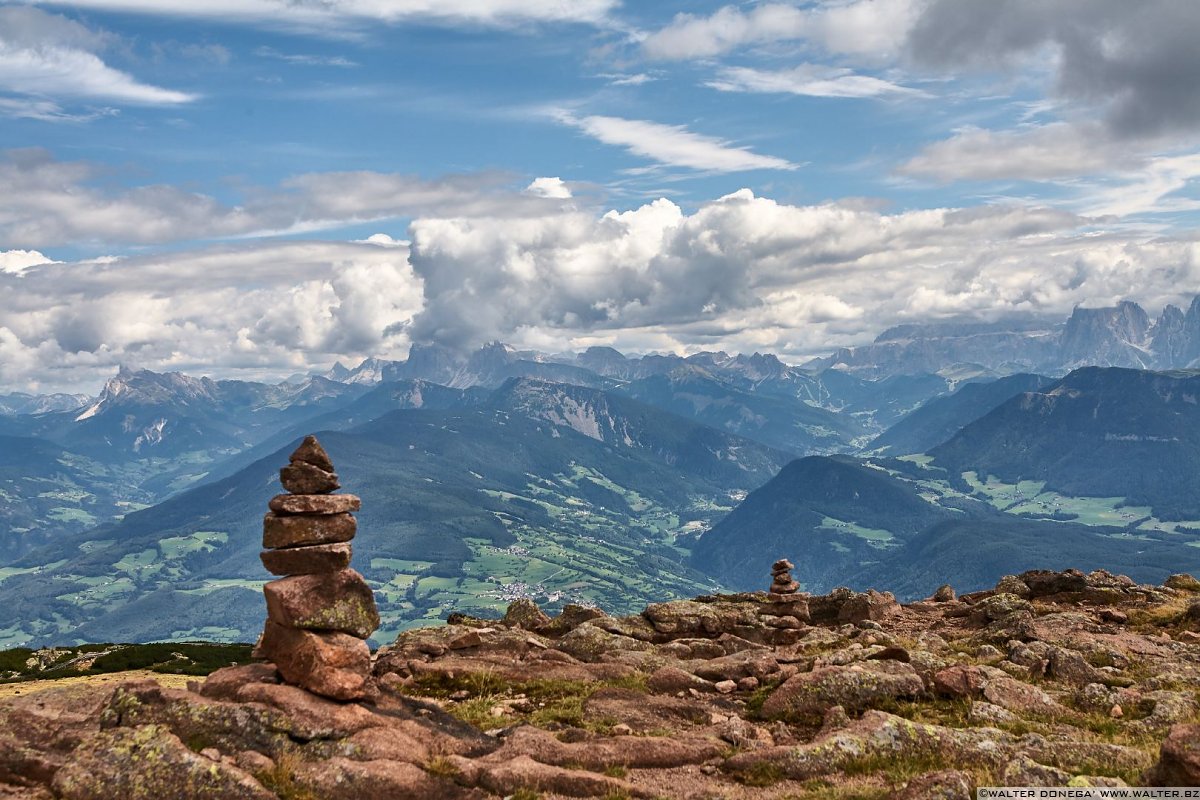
pixel 321 612
pixel 781 578
pixel 785 607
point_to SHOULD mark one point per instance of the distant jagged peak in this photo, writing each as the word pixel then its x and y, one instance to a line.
pixel 143 385
pixel 338 372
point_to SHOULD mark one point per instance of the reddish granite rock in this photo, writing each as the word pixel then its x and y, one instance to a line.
pixel 307 530
pixel 150 763
pixel 855 688
pixel 346 779
pixel 669 680
pixel 333 601
pixel 950 784
pixel 329 664
pixel 310 451
pixel 310 560
pixel 225 683
pixel 1179 761
pixel 285 504
pixel 869 605
pixel 1023 698
pixel 301 478
pixel 524 613
pixel 961 680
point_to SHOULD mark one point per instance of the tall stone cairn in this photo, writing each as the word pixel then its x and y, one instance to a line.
pixel 785 608
pixel 321 612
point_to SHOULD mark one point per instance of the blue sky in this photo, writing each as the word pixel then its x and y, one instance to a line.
pixel 233 189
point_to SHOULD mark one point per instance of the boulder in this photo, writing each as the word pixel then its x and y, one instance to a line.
pixel 1069 666
pixel 1088 757
pixel 334 601
pixel 1023 698
pixel 346 779
pixel 1024 771
pixel 1043 583
pixel 307 530
pixel 149 762
pixel 673 680
pixel 1179 758
pixel 225 683
pixel 1011 584
pixel 948 784
pixel 855 688
pixel 524 613
pixel 990 714
pixel 869 605
pixel 997 607
pixel 944 594
pixel 1183 582
pixel 744 664
pixel 960 681
pixel 589 643
pixel 330 664
pixel 510 776
pixel 877 737
pixel 569 618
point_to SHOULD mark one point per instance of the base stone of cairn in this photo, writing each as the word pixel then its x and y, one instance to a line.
pixel 321 612
pixel 785 606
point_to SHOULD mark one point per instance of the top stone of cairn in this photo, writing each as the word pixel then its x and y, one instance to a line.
pixel 310 470
pixel 311 452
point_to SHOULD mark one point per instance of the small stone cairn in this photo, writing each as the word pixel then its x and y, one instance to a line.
pixel 785 606
pixel 321 612
pixel 781 578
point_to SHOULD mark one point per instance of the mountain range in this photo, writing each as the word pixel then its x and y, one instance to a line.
pixel 562 490
pixel 1123 335
pixel 926 457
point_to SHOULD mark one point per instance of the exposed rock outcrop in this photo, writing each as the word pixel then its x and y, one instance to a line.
pixel 1086 680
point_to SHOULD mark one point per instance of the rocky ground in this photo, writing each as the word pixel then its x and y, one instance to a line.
pixel 1049 679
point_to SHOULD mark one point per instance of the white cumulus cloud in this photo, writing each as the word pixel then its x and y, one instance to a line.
pixel 872 29
pixel 549 187
pixel 17 261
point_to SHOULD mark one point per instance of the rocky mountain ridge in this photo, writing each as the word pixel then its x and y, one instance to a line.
pixel 1123 335
pixel 1048 679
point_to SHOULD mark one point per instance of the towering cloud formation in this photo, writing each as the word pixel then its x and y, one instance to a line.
pixel 748 272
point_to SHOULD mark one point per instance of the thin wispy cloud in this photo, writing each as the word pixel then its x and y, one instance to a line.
pixel 315 16
pixel 636 79
pixel 1030 152
pixel 305 59
pixel 672 145
pixel 50 202
pixel 47 110
pixel 813 80
pixel 48 56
